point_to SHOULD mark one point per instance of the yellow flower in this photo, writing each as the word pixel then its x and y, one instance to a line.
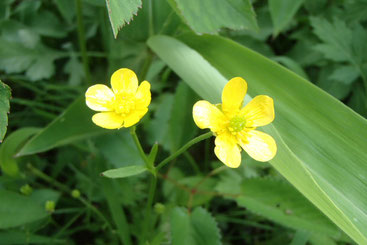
pixel 124 105
pixel 235 126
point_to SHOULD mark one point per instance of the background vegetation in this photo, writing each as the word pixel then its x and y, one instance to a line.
pixel 313 192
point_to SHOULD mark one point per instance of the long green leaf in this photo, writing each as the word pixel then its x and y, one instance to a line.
pixel 321 142
pixel 124 171
pixel 4 108
pixel 73 124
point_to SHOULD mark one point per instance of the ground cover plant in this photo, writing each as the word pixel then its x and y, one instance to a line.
pixel 183 122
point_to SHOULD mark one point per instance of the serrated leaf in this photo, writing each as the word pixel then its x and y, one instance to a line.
pixel 197 228
pixel 10 147
pixel 233 14
pixel 124 171
pixel 4 108
pixel 282 12
pixel 16 210
pixel 73 124
pixel 121 12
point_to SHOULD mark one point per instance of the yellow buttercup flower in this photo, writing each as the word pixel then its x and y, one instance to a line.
pixel 124 105
pixel 234 125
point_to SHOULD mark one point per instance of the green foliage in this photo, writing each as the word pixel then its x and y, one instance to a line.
pixel 4 108
pixel 55 154
pixel 121 12
pixel 124 172
pixel 196 228
pixel 233 14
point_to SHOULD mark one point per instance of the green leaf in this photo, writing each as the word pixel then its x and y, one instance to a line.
pixel 4 108
pixel 74 69
pixel 16 210
pixel 280 202
pixel 121 12
pixel 317 150
pixel 197 228
pixel 282 12
pixel 10 147
pixel 209 16
pixel 124 171
pixel 345 74
pixel 75 123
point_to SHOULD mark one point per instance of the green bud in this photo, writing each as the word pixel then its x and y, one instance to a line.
pixel 75 193
pixel 50 206
pixel 159 208
pixel 26 190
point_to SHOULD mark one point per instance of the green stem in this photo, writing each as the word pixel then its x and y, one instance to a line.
pixel 140 149
pixel 147 219
pixel 183 149
pixel 66 189
pixel 82 40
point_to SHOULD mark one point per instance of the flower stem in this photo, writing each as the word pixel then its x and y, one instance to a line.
pixel 147 218
pixel 183 149
pixel 140 149
pixel 82 41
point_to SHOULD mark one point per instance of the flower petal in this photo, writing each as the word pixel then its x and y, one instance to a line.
pixel 233 94
pixel 99 97
pixel 134 117
pixel 259 111
pixel 207 115
pixel 260 146
pixel 227 150
pixel 124 80
pixel 109 120
pixel 143 95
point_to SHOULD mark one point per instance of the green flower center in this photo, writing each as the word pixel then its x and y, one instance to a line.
pixel 124 103
pixel 236 124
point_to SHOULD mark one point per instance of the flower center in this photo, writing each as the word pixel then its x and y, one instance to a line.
pixel 124 103
pixel 236 124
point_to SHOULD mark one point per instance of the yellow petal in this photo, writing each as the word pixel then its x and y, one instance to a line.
pixel 233 94
pixel 124 80
pixel 134 117
pixel 207 115
pixel 109 120
pixel 143 95
pixel 259 111
pixel 260 146
pixel 99 97
pixel 227 150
